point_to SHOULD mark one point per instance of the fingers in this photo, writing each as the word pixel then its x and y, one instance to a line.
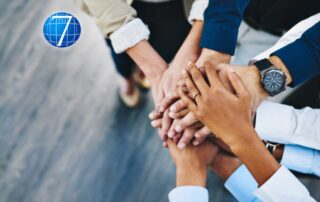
pixel 212 75
pixel 198 79
pixel 178 106
pixel 201 135
pixel 185 122
pixel 172 133
pixel 193 90
pixel 186 99
pixel 236 83
pixel 155 115
pixel 156 123
pixel 176 115
pixel 166 102
pixel 186 138
pixel 166 124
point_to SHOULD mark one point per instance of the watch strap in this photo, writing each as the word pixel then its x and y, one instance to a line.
pixel 263 64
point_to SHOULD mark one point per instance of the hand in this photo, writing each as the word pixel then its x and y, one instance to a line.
pixel 192 162
pixel 223 112
pixel 250 77
pixel 228 115
pixel 213 56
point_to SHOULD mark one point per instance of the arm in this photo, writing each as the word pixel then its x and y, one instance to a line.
pixel 228 115
pixel 284 124
pixel 306 47
pixel 191 172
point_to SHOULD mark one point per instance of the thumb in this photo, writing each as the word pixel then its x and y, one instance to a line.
pixel 236 82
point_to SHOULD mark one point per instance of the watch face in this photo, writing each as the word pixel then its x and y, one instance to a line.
pixel 274 81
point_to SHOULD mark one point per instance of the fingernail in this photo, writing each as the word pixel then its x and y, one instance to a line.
pixel 171 115
pixel 153 123
pixel 195 143
pixel 178 128
pixel 171 134
pixel 151 115
pixel 190 63
pixel 173 108
pixel 184 72
pixel 181 145
pixel 197 135
pixel 231 70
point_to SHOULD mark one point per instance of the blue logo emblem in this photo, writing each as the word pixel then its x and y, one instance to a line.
pixel 61 29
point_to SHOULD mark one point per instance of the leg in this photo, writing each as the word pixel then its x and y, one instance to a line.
pixel 125 67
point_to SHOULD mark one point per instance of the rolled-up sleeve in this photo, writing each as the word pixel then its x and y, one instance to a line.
pixel 302 57
pixel 222 19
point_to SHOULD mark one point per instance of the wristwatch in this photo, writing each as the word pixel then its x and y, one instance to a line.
pixel 273 80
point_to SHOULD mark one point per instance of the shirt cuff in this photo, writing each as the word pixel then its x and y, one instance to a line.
pixel 129 35
pixel 189 194
pixel 282 186
pixel 197 10
pixel 274 122
pixel 301 159
pixel 241 184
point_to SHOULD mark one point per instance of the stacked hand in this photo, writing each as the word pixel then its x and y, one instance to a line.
pixel 180 123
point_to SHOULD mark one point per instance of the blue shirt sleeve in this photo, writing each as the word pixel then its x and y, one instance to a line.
pixel 222 19
pixel 302 57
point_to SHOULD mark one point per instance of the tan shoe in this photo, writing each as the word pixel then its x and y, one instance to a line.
pixel 129 99
pixel 141 80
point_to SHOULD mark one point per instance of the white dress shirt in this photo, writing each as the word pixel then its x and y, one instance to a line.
pixel 135 31
pixel 276 189
pixel 284 124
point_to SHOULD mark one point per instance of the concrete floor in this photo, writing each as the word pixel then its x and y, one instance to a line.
pixel 64 134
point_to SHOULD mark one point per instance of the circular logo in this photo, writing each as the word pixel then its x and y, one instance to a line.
pixel 61 29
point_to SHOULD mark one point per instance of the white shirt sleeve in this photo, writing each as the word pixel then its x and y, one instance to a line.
pixel 301 159
pixel 241 185
pixel 283 186
pixel 197 10
pixel 189 194
pixel 284 124
pixel 293 34
pixel 129 35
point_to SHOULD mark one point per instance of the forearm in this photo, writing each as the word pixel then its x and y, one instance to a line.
pixel 256 157
pixel 190 50
pixel 147 59
pixel 191 176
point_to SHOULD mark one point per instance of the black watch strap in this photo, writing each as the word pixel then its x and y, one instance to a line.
pixel 263 64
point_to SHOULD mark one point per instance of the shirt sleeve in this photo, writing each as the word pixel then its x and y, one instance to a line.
pixel 241 185
pixel 189 194
pixel 129 35
pixel 222 19
pixel 284 124
pixel 283 186
pixel 197 10
pixel 301 159
pixel 302 57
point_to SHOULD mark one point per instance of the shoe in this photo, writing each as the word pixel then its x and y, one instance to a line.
pixel 141 80
pixel 129 99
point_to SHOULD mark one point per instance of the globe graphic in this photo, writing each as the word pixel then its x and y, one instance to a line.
pixel 61 29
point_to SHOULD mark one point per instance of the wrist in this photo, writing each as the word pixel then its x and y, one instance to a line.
pixel 277 62
pixel 150 62
pixel 190 175
pixel 214 56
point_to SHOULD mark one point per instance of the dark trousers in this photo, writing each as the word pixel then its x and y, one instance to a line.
pixel 168 27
